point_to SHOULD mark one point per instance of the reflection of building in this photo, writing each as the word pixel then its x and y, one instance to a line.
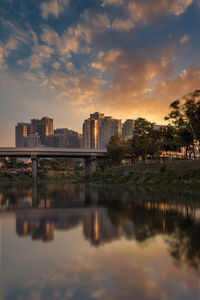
pixel 98 228
pixel 97 130
pixel 43 229
pixel 77 206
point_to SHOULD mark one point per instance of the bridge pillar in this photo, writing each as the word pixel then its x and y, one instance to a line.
pixel 34 168
pixel 90 166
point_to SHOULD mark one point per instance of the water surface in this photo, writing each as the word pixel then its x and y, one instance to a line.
pixel 69 241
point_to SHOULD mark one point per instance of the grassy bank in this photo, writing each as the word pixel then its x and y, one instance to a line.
pixel 70 175
pixel 172 173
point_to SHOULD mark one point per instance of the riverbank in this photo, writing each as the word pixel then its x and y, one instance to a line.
pixel 171 173
pixel 70 175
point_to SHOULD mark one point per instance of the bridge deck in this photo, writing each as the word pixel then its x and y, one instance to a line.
pixel 51 152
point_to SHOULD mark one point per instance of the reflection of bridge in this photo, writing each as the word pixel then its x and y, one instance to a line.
pixel 89 156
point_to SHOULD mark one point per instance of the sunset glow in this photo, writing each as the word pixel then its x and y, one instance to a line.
pixel 66 59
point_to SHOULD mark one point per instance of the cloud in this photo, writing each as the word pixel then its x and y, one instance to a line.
pixel 40 53
pixel 53 7
pixel 111 2
pixel 184 39
pixel 99 67
pixel 64 44
pixel 131 74
pixel 56 65
pixel 146 11
pixel 50 37
pixel 77 39
pixel 123 25
pixel 3 55
pixel 76 90
pixel 39 56
pixel 187 81
pixel 17 37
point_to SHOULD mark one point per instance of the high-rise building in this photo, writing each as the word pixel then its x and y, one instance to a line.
pixel 34 125
pixel 108 127
pixel 91 133
pixel 86 134
pixel 45 128
pixel 20 134
pixel 32 140
pixel 97 130
pixel 73 138
pixel 128 126
pixel 56 141
pixel 34 133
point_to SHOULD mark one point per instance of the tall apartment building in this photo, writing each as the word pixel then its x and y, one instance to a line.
pixel 33 134
pixel 107 128
pixel 73 139
pixel 128 126
pixel 56 141
pixel 98 129
pixel 32 140
pixel 20 134
pixel 43 127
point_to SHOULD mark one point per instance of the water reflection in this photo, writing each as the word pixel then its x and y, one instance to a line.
pixel 139 215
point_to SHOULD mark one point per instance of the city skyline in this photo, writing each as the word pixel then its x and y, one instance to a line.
pixel 66 59
pixel 97 131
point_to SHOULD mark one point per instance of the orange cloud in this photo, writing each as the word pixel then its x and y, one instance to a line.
pixel 123 25
pixel 145 11
pixel 53 7
pixel 184 39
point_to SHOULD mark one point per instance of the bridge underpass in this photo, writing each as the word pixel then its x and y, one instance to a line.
pixel 89 156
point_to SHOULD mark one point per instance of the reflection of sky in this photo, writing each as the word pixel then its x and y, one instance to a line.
pixel 69 268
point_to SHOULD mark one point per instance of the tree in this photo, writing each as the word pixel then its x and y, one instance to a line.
pixel 13 162
pixel 145 139
pixel 185 115
pixel 169 139
pixel 185 140
pixel 116 149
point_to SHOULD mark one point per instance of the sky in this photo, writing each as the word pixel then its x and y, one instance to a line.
pixel 66 59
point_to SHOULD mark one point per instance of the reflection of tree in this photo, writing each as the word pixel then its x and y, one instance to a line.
pixel 183 232
pixel 10 193
pixel 185 243
pixel 44 195
pixel 138 213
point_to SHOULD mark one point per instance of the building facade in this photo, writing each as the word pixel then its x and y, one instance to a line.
pixel 32 141
pixel 73 139
pixel 20 134
pixel 98 129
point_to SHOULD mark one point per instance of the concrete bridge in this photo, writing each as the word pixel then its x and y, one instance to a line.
pixel 89 156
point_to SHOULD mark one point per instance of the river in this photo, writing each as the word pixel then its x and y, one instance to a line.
pixel 74 241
